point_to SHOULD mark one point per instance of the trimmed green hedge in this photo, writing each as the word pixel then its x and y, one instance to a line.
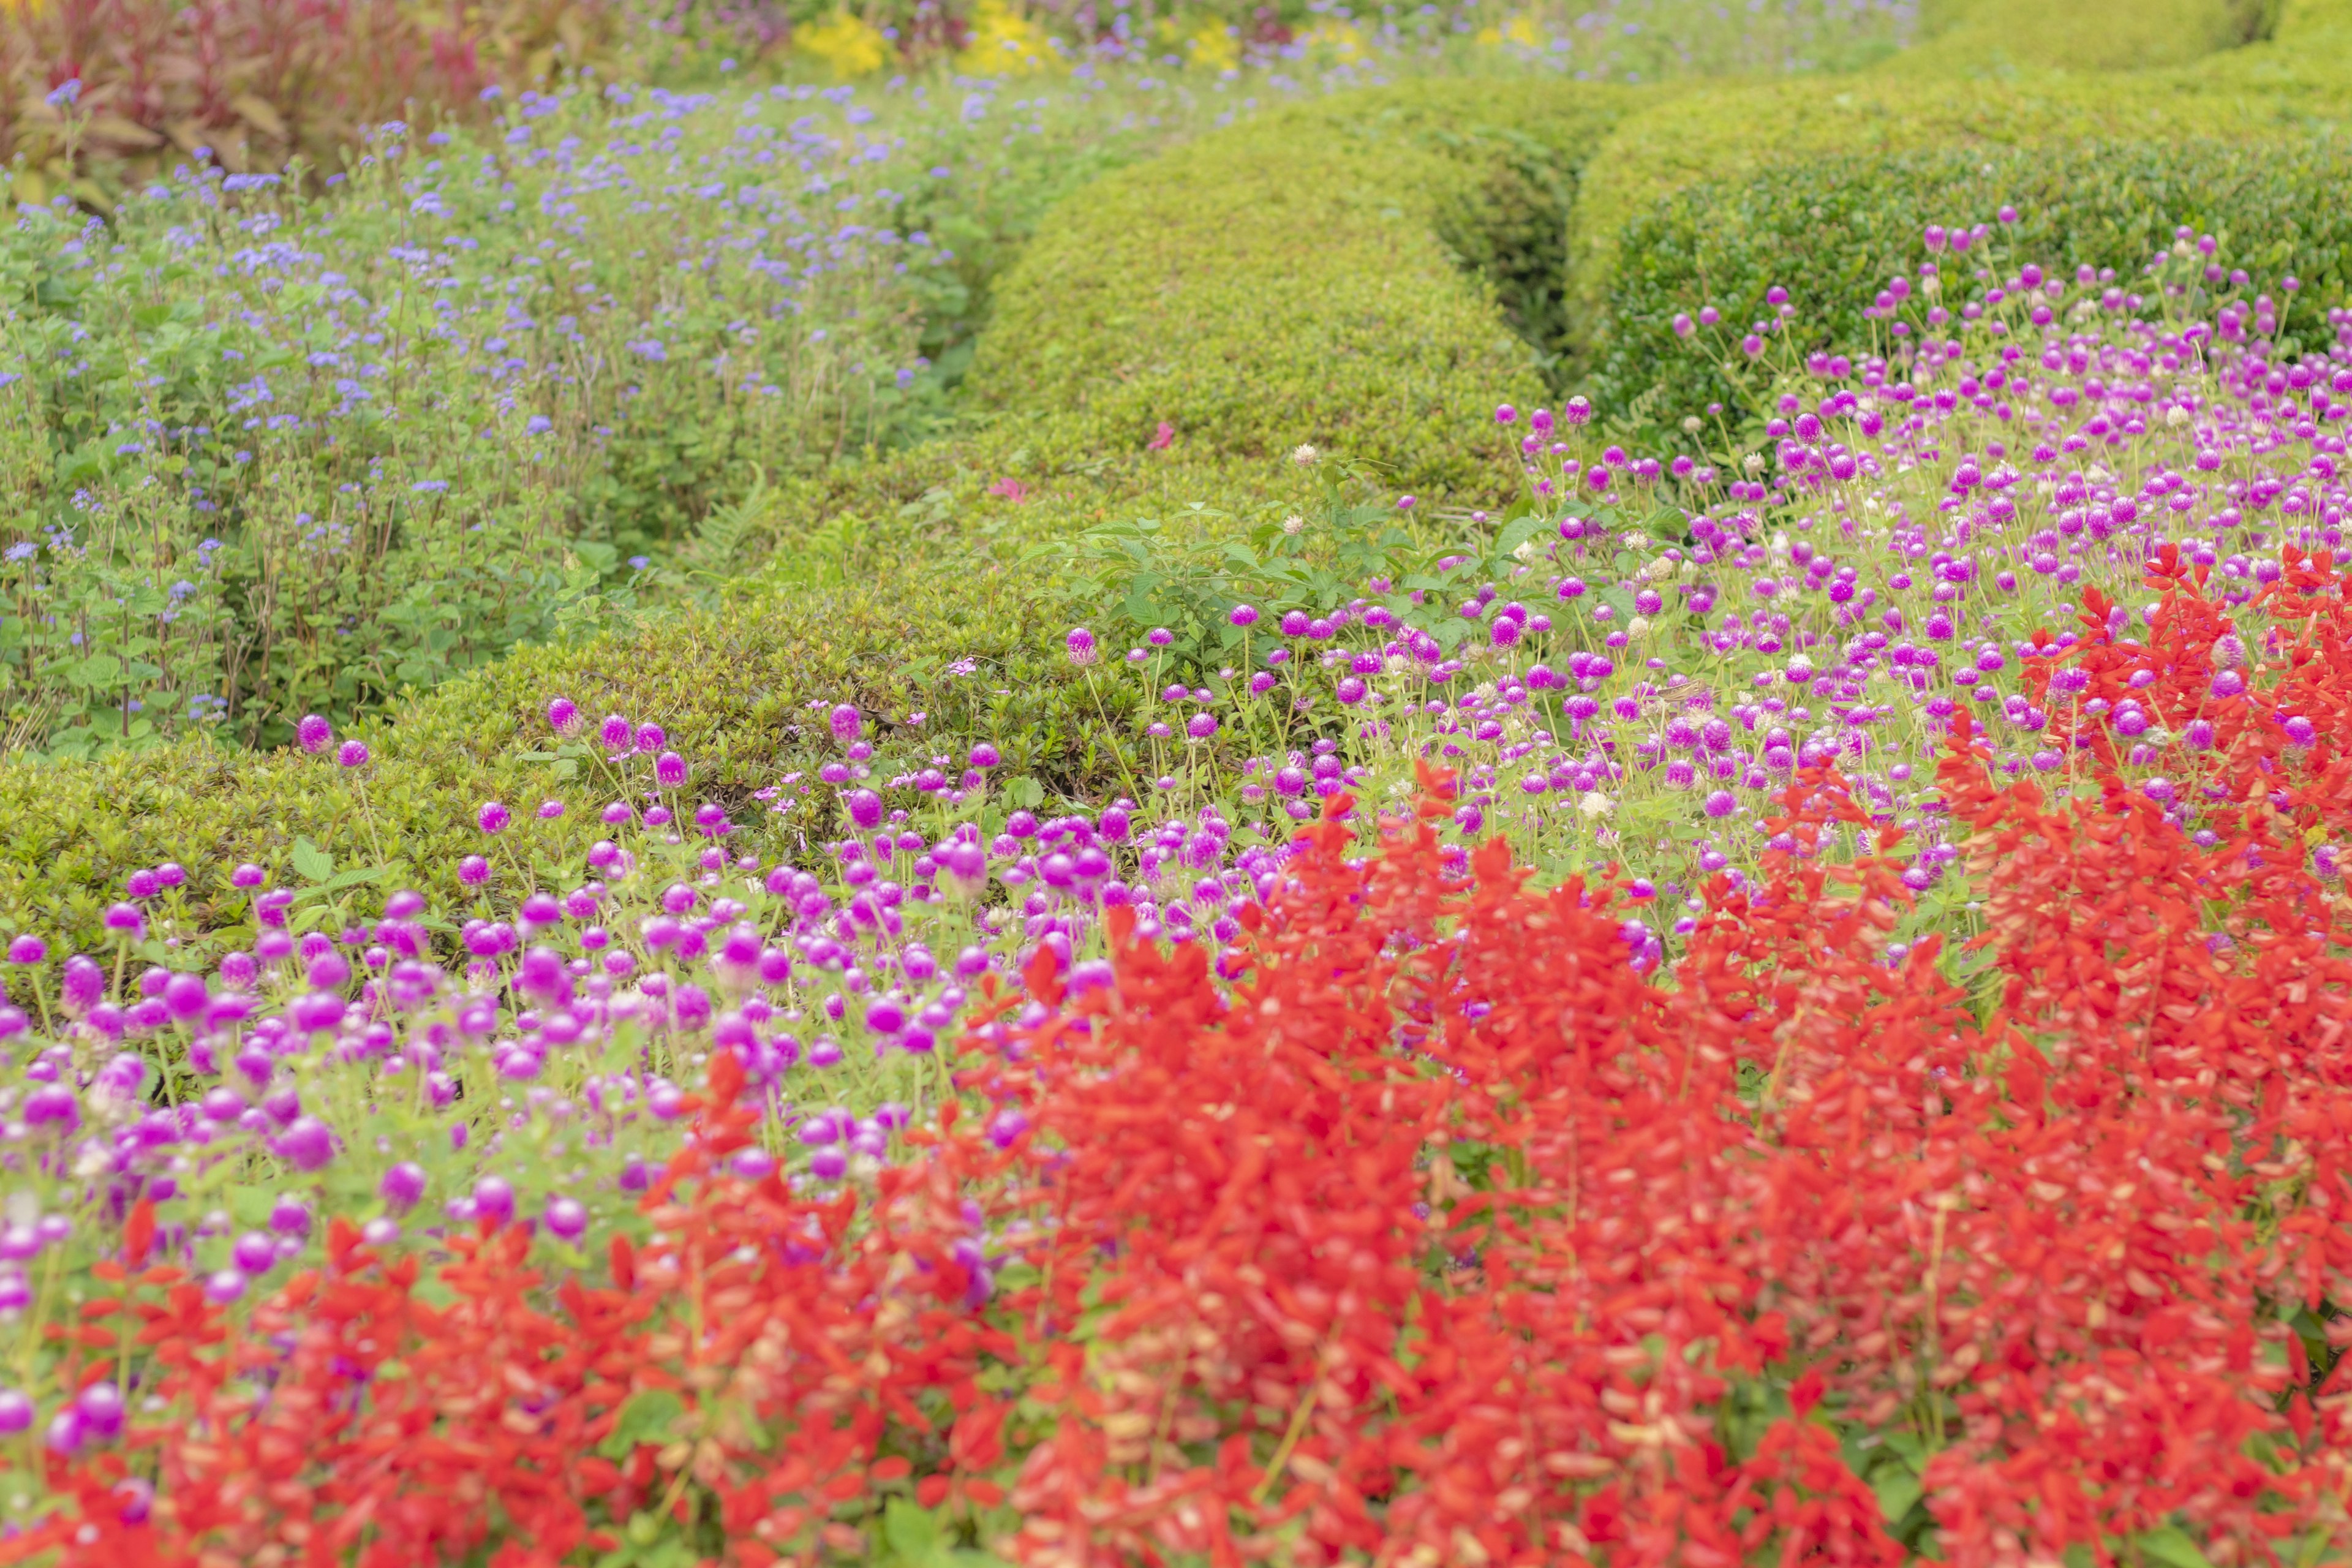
pixel 1978 35
pixel 1967 92
pixel 1301 280
pixel 1833 232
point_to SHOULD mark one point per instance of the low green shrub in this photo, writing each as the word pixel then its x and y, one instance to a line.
pixel 1970 94
pixel 1831 233
pixel 1301 280
pixel 917 596
pixel 1990 36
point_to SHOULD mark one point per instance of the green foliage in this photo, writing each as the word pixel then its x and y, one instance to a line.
pixel 1291 282
pixel 1996 35
pixel 2287 87
pixel 1833 232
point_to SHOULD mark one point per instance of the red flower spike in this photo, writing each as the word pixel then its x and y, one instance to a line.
pixel 138 1233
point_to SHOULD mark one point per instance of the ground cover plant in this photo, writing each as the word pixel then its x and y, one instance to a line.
pixel 1939 971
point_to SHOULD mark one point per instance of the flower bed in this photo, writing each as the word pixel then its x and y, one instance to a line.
pixel 1554 1067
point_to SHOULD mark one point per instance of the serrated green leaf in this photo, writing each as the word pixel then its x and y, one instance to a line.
pixel 312 863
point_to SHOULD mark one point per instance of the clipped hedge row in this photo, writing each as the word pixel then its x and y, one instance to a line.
pixel 1964 93
pixel 1831 233
pixel 872 611
pixel 1977 36
pixel 1301 280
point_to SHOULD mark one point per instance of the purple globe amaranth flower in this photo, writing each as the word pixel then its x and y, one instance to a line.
pixel 142 885
pixel 100 1405
pixel 617 734
pixel 669 770
pixel 84 983
pixel 247 875
pixel 2300 731
pixel 313 733
pixel 984 755
pixel 1200 726
pixel 494 817
pixel 473 871
pixel 353 755
pixel 1081 644
pixel 1576 411
pixel 403 1186
pixel 1242 615
pixel 847 723
pixel 1505 413
pixel 52 1104
pixel 125 919
pixel 494 1199
pixel 15 1413
pixel 562 715
pixel 187 996
pixel 651 737
pixel 567 1218
pixel 27 950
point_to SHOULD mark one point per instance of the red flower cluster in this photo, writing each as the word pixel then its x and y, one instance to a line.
pixel 1439 1234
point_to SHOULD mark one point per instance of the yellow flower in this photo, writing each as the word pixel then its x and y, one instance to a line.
pixel 1004 42
pixel 1519 29
pixel 1339 38
pixel 852 46
pixel 1216 48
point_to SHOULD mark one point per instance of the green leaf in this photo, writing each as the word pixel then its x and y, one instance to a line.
pixel 647 1417
pixel 910 1529
pixel 2170 1545
pixel 250 1205
pixel 312 863
pixel 1519 532
pixel 1898 1492
pixel 1028 793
